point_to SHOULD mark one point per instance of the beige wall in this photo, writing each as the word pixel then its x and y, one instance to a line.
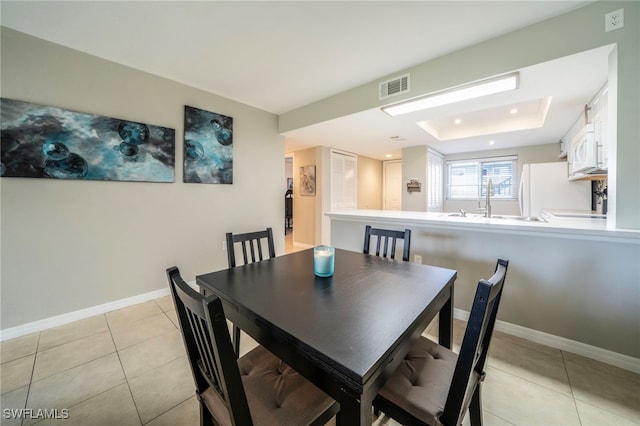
pixel 69 245
pixel 305 206
pixel 573 32
pixel 310 226
pixel 369 183
pixel 414 166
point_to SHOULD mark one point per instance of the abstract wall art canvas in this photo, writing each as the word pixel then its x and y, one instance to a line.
pixel 47 142
pixel 208 147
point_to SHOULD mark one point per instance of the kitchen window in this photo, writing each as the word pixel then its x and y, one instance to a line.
pixel 435 169
pixel 467 179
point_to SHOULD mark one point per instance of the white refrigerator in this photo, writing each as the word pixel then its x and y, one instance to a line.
pixel 546 186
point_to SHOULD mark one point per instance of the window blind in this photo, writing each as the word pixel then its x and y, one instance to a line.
pixel 467 179
pixel 343 181
pixel 435 187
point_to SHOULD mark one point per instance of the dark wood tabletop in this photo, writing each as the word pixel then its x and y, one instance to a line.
pixel 345 333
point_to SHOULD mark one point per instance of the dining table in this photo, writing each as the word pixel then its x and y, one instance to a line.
pixel 345 333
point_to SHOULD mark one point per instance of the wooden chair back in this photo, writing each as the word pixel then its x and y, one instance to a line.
pixel 209 350
pixel 251 244
pixel 384 237
pixel 469 369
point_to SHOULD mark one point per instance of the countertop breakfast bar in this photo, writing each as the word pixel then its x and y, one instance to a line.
pixel 574 283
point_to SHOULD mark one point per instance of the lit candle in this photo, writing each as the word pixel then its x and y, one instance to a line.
pixel 323 261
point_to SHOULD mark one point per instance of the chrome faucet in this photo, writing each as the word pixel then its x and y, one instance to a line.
pixel 488 199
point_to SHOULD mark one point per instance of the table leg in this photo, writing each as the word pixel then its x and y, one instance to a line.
pixel 445 323
pixel 353 412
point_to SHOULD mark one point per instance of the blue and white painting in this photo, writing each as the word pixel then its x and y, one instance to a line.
pixel 208 147
pixel 47 142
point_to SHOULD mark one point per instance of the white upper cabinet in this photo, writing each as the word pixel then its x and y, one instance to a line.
pixel 585 142
pixel 599 117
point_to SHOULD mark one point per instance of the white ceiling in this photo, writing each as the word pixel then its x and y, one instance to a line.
pixel 571 82
pixel 278 56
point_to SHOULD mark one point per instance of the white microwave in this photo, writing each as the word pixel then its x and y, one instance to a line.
pixel 585 150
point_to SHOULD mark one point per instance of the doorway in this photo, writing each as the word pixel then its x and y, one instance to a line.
pixel 392 185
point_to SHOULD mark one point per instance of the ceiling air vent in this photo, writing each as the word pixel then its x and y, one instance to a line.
pixel 394 86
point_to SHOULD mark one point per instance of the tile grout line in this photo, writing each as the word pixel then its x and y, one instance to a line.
pixel 125 374
pixel 72 367
pixel 532 382
pixel 169 409
pixel 84 363
pixel 515 341
pixel 181 402
pixel 495 415
pixel 33 369
pixel 573 395
pixel 591 404
pixel 126 379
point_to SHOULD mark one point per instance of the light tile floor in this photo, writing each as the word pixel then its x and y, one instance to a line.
pixel 128 367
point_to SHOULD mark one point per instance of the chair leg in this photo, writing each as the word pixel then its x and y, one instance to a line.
pixel 236 340
pixel 475 408
pixel 206 419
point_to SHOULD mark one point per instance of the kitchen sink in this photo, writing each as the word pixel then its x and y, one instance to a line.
pixel 522 218
pixel 469 215
pixel 501 217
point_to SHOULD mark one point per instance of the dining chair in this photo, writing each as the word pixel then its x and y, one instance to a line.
pixel 435 386
pixel 255 241
pixel 386 236
pixel 288 210
pixel 258 388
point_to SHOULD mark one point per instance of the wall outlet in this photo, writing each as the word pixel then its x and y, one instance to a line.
pixel 614 20
pixel 417 258
pixel 224 245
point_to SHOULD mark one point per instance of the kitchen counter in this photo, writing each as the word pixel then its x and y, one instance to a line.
pixel 579 226
pixel 573 283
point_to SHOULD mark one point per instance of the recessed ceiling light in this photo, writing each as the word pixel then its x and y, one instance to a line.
pixel 457 121
pixel 388 155
pixel 514 110
pixel 491 142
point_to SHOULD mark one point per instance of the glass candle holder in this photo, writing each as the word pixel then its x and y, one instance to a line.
pixel 323 260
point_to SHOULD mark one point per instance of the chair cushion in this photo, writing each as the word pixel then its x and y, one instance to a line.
pixel 276 394
pixel 421 382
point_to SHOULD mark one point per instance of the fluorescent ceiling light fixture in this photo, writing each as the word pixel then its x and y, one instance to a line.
pixel 457 94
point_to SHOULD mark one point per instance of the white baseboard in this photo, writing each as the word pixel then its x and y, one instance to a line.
pixel 32 327
pixel 603 355
pixel 296 244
